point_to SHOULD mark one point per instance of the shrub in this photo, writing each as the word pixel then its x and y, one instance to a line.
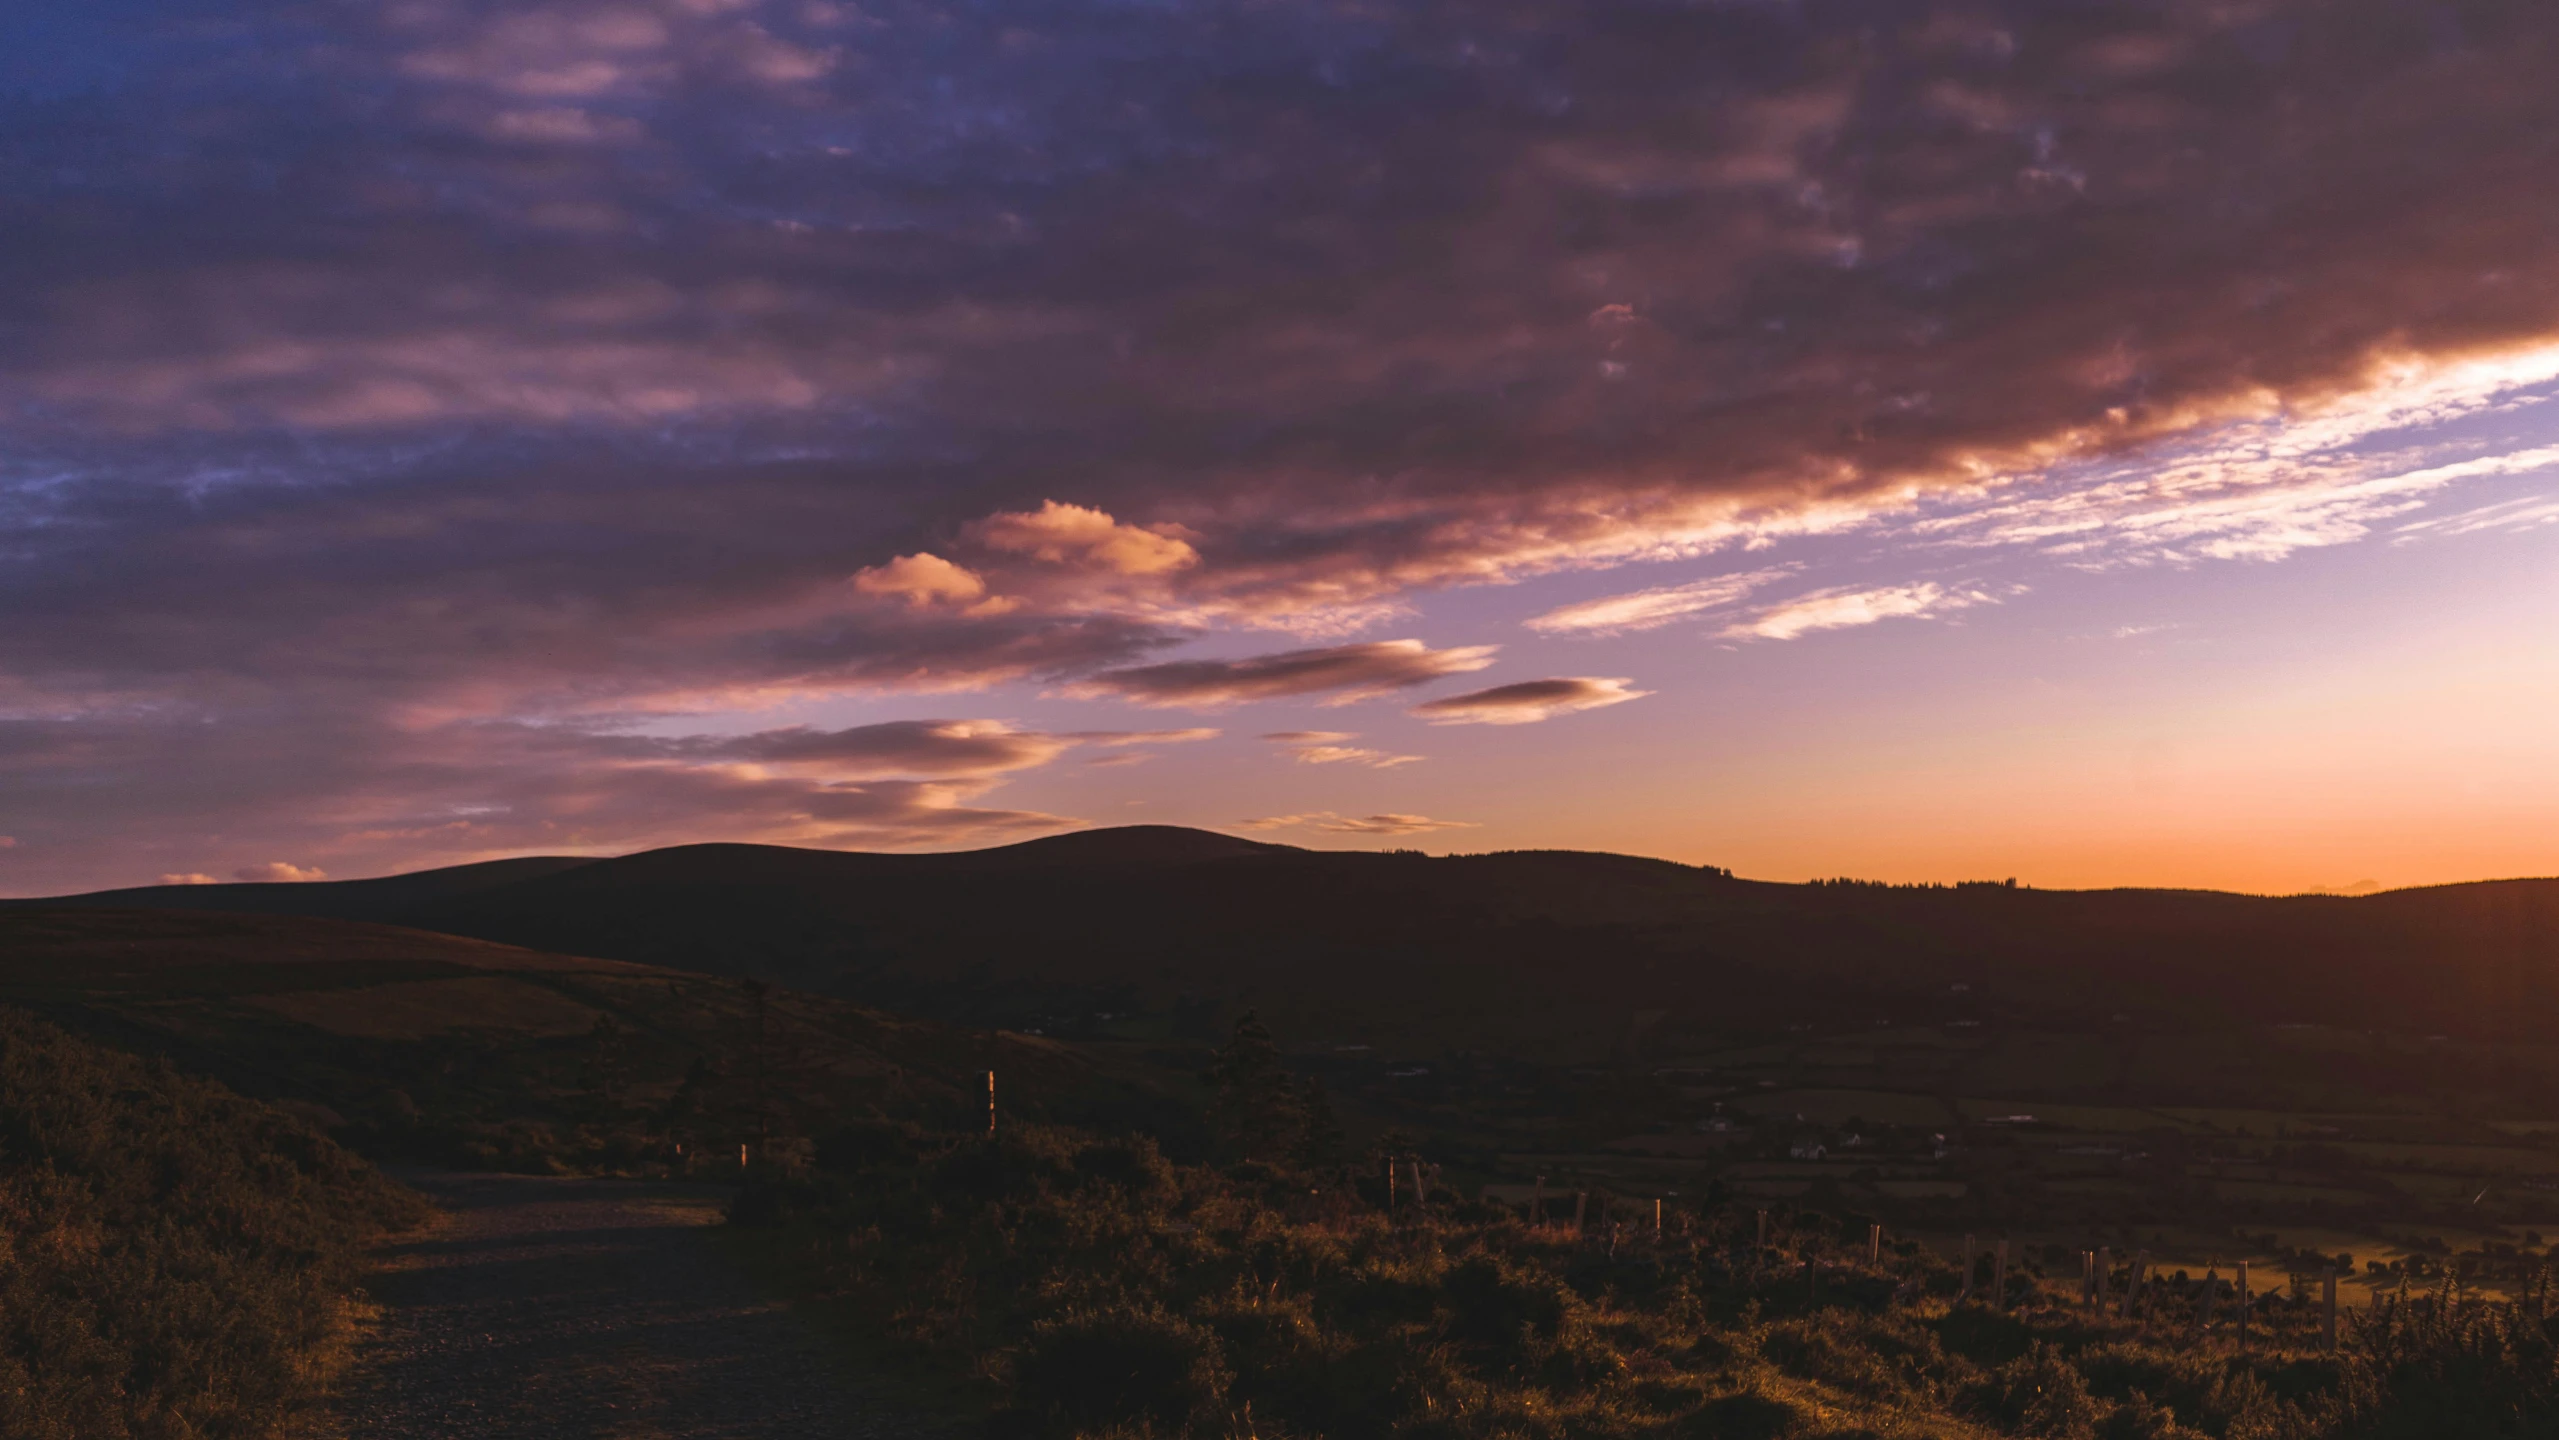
pixel 1123 1366
pixel 177 1259
pixel 1745 1415
pixel 2450 1367
pixel 1121 1295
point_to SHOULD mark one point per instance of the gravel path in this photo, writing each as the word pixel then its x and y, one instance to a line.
pixel 584 1309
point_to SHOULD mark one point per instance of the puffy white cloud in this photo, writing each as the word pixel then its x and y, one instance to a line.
pixel 922 579
pixel 1078 535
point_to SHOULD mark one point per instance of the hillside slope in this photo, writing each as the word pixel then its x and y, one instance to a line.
pixel 456 1050
pixel 1529 952
pixel 180 1261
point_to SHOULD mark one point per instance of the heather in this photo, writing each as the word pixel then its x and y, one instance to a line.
pixel 176 1262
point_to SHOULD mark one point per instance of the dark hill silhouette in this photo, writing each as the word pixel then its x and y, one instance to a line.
pixel 1543 952
pixel 336 899
pixel 416 1044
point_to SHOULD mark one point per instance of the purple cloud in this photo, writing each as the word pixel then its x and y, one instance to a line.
pixel 1528 701
pixel 1343 673
pixel 392 392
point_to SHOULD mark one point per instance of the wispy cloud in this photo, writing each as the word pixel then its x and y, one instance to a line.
pixel 1330 823
pixel 2265 487
pixel 1342 673
pixel 1649 609
pixel 1332 747
pixel 2529 512
pixel 279 872
pixel 1847 606
pixel 1530 701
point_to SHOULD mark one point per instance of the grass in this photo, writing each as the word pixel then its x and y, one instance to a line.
pixel 179 1260
pixel 1076 1285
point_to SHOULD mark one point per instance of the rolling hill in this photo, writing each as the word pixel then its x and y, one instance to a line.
pixel 418 1045
pixel 1556 955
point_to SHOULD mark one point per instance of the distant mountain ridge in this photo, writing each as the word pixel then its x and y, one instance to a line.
pixel 1556 952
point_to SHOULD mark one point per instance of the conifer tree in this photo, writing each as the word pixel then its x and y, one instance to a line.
pixel 1254 1103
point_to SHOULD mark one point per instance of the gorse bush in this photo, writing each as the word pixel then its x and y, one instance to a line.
pixel 1092 1289
pixel 2442 1367
pixel 174 1259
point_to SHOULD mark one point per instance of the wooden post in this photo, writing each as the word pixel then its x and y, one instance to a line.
pixel 1999 1277
pixel 1581 1210
pixel 990 1104
pixel 2243 1305
pixel 2132 1286
pixel 2203 1307
pixel 2105 1275
pixel 1763 1229
pixel 1421 1190
pixel 2087 1270
pixel 1390 1185
pixel 741 1157
pixel 1657 1221
pixel 2328 1305
pixel 1967 1292
pixel 1874 1246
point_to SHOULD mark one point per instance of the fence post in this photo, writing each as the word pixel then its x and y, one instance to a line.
pixel 2328 1304
pixel 1657 1220
pixel 1967 1292
pixel 1999 1276
pixel 1581 1209
pixel 2243 1305
pixel 1763 1229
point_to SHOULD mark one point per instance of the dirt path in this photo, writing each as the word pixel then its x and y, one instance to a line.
pixel 583 1309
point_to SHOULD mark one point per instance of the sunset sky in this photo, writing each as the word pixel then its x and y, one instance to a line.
pixel 2101 444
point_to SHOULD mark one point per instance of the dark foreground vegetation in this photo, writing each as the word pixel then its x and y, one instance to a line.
pixel 175 1261
pixel 1084 1286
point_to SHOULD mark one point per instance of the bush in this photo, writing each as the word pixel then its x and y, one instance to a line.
pixel 1121 1367
pixel 1745 1415
pixel 1097 1290
pixel 2450 1367
pixel 177 1259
